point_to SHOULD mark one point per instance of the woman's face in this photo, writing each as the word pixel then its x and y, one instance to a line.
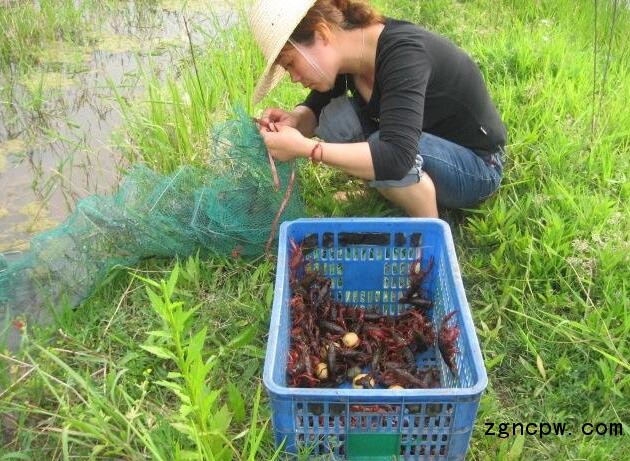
pixel 313 66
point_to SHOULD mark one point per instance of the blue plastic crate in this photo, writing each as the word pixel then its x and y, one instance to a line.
pixel 368 263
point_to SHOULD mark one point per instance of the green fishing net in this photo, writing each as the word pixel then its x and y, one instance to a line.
pixel 231 207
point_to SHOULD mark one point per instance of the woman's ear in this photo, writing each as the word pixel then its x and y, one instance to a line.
pixel 323 32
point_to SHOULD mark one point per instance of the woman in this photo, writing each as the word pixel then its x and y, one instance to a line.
pixel 393 103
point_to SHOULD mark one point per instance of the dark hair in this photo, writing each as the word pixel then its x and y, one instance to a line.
pixel 342 14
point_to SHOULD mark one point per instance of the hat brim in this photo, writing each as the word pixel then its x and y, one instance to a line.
pixel 274 38
pixel 270 77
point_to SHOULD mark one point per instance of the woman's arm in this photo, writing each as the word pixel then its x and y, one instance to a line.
pixel 353 158
pixel 288 143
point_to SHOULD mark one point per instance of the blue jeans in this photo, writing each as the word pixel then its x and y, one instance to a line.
pixel 462 178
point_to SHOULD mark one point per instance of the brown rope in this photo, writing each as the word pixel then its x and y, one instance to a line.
pixel 272 165
pixel 283 205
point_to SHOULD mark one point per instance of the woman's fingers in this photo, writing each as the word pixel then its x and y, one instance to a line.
pixel 273 114
pixel 281 140
pixel 279 116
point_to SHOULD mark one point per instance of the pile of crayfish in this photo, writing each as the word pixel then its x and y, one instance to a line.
pixel 332 343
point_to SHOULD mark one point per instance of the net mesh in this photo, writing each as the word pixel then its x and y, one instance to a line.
pixel 229 207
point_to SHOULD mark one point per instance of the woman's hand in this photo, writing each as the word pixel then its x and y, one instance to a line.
pixel 301 117
pixel 280 117
pixel 286 143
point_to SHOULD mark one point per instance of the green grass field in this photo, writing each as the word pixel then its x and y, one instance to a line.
pixel 545 262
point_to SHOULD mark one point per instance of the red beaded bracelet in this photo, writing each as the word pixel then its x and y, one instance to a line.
pixel 321 153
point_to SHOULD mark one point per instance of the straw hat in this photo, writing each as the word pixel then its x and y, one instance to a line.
pixel 272 22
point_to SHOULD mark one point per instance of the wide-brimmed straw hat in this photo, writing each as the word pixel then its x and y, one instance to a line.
pixel 272 22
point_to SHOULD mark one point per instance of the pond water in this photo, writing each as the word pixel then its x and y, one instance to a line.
pixel 57 121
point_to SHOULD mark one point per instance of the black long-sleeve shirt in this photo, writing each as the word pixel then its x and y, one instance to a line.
pixel 423 82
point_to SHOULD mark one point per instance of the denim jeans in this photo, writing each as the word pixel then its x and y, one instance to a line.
pixel 462 178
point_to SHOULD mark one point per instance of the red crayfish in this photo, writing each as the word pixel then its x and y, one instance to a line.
pixel 414 295
pixel 332 343
pixel 447 342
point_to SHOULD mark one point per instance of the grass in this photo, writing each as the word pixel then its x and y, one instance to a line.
pixel 28 28
pixel 175 121
pixel 38 34
pixel 545 262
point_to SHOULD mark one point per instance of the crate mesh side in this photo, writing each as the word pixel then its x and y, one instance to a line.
pixel 444 302
pixel 322 427
pixel 391 262
pixel 280 366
